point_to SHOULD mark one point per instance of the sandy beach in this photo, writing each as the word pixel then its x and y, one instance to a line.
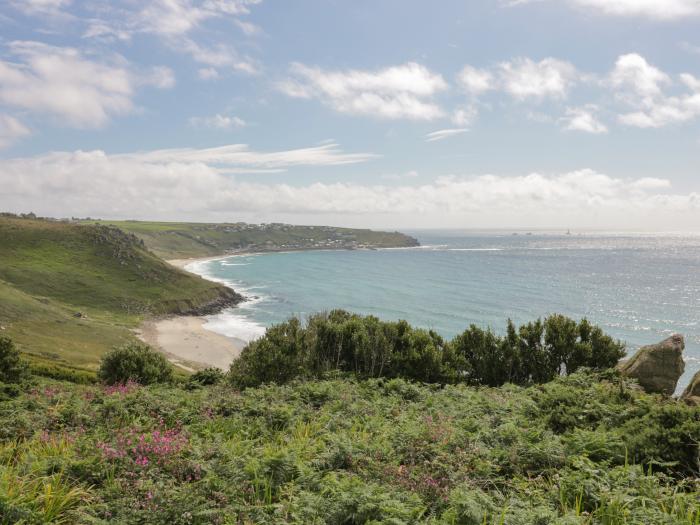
pixel 185 340
pixel 188 344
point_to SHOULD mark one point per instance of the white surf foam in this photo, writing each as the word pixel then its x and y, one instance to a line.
pixel 231 322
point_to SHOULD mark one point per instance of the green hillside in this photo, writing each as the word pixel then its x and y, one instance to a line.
pixel 172 240
pixel 582 450
pixel 68 292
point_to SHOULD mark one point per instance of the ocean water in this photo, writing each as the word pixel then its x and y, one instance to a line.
pixel 640 288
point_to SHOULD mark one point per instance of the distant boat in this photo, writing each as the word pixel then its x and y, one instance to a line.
pixel 568 232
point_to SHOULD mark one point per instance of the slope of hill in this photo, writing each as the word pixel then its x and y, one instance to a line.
pixel 69 292
pixel 172 240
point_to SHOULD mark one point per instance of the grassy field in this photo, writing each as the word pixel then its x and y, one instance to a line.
pixel 70 292
pixel 585 450
pixel 172 240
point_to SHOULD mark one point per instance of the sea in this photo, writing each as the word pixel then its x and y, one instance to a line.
pixel 638 287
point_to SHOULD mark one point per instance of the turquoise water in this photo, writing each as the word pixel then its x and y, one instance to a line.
pixel 640 288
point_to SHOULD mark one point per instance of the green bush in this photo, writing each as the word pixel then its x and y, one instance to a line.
pixel 367 347
pixel 135 362
pixel 206 377
pixel 12 368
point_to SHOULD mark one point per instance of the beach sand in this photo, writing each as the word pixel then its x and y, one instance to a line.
pixel 188 344
pixel 185 340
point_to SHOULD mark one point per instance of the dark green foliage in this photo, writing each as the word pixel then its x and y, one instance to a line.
pixel 206 377
pixel 135 362
pixel 64 373
pixel 346 451
pixel 367 347
pixel 12 368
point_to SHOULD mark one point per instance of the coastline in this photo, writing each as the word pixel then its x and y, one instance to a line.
pixel 188 344
pixel 185 341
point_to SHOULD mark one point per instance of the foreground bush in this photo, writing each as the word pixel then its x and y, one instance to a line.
pixel 12 368
pixel 135 362
pixel 340 341
pixel 586 449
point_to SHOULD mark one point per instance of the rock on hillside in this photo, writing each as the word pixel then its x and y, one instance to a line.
pixel 657 367
pixel 691 394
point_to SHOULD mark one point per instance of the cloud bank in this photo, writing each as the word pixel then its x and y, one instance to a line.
pixel 193 184
pixel 651 9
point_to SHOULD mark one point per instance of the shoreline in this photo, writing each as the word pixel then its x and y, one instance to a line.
pixel 184 339
pixel 187 344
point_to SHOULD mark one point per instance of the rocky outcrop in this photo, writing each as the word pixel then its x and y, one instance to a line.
pixel 691 394
pixel 226 299
pixel 657 367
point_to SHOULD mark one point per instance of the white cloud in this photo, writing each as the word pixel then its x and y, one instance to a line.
pixel 178 17
pixel 690 81
pixel 219 121
pixel 444 134
pixel 634 73
pixel 397 92
pixel 180 25
pixel 465 116
pixel 475 81
pixel 523 78
pixel 11 130
pixel 653 9
pixel 240 159
pixel 218 56
pixel 641 87
pixel 63 82
pixel 584 119
pixel 187 184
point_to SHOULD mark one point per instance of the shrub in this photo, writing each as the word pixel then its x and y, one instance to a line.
pixel 276 357
pixel 206 377
pixel 12 368
pixel 135 362
pixel 369 348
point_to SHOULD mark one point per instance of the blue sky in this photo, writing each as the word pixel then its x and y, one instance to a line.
pixel 470 113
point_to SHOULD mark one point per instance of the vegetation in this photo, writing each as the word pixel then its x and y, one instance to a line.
pixel 70 292
pixel 589 448
pixel 172 240
pixel 135 362
pixel 341 420
pixel 12 368
pixel 535 353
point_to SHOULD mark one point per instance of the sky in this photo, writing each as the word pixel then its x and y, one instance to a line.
pixel 370 113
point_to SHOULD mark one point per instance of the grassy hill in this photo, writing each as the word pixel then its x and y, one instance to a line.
pixel 172 240
pixel 69 292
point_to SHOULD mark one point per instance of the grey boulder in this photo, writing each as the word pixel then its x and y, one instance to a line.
pixel 657 367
